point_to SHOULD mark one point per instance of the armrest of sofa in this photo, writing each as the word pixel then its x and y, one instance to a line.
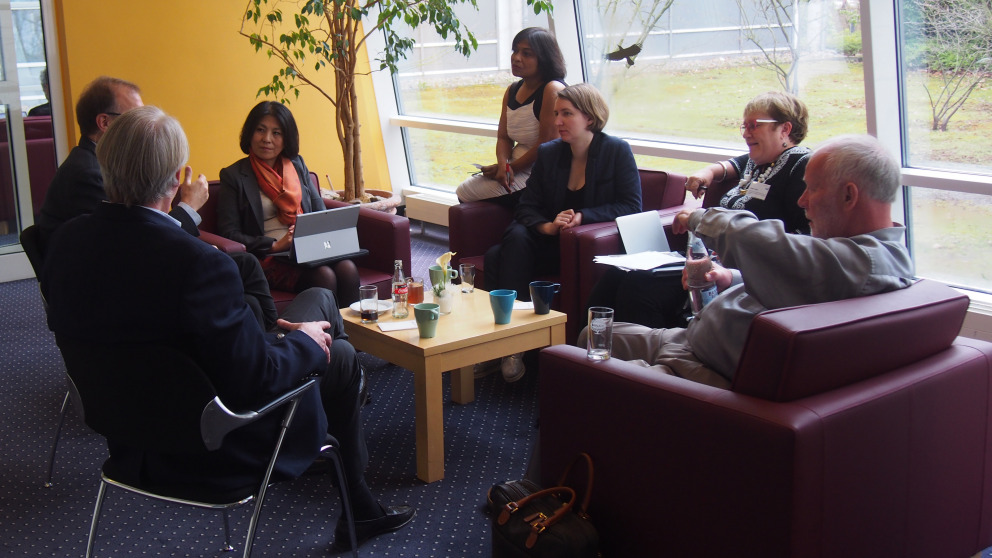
pixel 473 227
pixel 660 189
pixel 225 245
pixel 384 235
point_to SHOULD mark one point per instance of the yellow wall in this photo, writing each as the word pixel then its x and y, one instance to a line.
pixel 188 59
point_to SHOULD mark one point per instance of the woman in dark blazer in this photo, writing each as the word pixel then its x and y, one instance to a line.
pixel 261 195
pixel 584 177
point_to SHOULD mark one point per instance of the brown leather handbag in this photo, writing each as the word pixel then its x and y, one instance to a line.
pixel 530 522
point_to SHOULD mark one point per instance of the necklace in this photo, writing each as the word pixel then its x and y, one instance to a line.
pixel 746 180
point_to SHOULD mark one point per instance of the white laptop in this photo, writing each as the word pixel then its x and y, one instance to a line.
pixel 326 236
pixel 643 232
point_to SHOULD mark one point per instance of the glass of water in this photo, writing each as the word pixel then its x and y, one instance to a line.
pixel 599 344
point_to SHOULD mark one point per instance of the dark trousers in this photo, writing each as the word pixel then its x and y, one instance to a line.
pixel 257 294
pixel 339 393
pixel 642 297
pixel 521 256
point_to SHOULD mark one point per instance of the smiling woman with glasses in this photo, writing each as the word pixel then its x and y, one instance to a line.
pixel 770 175
pixel 769 182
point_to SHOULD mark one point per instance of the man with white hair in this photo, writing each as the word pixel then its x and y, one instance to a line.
pixel 127 273
pixel 854 250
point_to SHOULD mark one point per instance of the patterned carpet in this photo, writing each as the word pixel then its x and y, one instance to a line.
pixel 487 441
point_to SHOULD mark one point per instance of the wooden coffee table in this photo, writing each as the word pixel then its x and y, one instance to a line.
pixel 466 336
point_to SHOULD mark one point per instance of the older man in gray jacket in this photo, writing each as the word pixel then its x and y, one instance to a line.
pixel 855 250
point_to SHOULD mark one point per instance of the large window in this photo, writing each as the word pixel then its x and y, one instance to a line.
pixel 946 53
pixel 677 74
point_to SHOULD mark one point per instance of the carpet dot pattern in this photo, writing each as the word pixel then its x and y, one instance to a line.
pixel 487 441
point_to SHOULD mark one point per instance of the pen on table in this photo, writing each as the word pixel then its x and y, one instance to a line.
pixel 509 173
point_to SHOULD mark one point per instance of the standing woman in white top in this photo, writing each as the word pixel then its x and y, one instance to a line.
pixel 527 119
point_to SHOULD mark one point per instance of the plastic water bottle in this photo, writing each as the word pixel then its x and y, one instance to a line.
pixel 697 264
pixel 400 291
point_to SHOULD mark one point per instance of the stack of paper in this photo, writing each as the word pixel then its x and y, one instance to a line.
pixel 641 260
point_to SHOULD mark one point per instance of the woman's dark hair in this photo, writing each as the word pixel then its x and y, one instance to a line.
pixel 290 133
pixel 550 61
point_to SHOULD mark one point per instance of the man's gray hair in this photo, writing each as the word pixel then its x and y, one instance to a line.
pixel 140 154
pixel 863 160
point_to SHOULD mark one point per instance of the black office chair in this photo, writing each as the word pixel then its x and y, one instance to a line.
pixel 172 408
pixel 31 243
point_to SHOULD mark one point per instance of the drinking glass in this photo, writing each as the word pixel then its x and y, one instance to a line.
pixel 599 345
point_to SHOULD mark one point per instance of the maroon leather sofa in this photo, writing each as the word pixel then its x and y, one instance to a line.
pixel 858 428
pixel 385 236
pixel 474 227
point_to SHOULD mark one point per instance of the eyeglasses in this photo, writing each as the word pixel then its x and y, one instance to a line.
pixel 750 125
pixel 112 113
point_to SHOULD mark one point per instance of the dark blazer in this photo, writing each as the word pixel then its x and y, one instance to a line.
pixel 77 188
pixel 612 189
pixel 239 204
pixel 124 275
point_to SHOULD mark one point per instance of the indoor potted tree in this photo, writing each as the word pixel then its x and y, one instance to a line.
pixel 314 34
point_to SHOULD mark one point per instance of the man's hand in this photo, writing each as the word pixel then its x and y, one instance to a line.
pixel 193 194
pixel 718 274
pixel 315 330
pixel 680 224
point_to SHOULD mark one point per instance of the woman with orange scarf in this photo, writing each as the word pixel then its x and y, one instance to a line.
pixel 261 195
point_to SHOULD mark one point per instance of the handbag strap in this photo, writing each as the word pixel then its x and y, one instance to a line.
pixel 538 521
pixel 582 456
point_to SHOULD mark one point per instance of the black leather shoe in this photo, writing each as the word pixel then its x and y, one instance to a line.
pixel 396 518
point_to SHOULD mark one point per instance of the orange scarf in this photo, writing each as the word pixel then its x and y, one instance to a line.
pixel 284 190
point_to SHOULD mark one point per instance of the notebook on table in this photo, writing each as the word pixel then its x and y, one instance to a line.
pixel 325 236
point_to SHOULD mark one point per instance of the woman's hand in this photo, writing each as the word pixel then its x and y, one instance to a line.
pixel 284 243
pixel 575 219
pixel 699 182
pixel 490 171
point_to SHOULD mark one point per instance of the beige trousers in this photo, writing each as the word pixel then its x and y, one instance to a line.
pixel 665 350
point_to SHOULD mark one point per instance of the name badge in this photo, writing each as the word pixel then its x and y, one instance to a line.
pixel 758 190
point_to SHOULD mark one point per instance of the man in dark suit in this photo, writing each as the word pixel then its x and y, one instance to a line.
pixel 128 273
pixel 77 187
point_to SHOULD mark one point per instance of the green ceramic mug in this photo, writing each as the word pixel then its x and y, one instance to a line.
pixel 427 314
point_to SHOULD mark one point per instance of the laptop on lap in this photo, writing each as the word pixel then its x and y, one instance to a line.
pixel 644 232
pixel 326 236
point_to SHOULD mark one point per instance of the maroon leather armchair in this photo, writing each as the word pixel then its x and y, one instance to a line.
pixel 474 227
pixel 40 149
pixel 853 428
pixel 385 236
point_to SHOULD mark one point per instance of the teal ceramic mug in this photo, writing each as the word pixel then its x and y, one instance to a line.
pixel 427 314
pixel 501 301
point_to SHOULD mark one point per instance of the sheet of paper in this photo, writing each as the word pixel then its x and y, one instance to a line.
pixel 641 260
pixel 521 305
pixel 396 326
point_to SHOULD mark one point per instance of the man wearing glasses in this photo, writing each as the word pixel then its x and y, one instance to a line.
pixel 77 187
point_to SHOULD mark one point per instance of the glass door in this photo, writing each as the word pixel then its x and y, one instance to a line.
pixel 15 186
